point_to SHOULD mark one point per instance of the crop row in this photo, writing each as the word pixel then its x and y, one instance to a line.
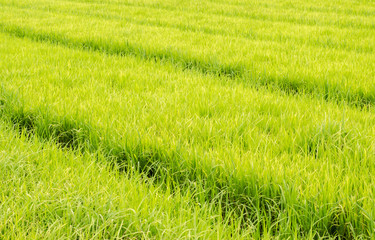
pixel 332 63
pixel 53 193
pixel 290 163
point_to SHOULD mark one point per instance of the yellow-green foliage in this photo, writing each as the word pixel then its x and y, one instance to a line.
pixel 257 115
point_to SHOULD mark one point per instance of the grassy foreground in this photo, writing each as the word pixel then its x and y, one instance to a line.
pixel 240 152
pixel 51 193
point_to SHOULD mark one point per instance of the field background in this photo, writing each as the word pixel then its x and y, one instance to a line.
pixel 187 119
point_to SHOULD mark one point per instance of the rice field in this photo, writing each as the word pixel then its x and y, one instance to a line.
pixel 154 119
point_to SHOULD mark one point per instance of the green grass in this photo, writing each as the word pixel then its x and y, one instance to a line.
pixel 50 193
pixel 332 58
pixel 270 135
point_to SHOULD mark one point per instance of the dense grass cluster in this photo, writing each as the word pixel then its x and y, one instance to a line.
pixel 209 119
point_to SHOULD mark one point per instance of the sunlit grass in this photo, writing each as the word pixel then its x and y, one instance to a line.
pixel 50 193
pixel 333 59
pixel 154 112
pixel 265 122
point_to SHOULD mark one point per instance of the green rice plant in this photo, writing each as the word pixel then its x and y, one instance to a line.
pixel 250 151
pixel 295 47
pixel 53 193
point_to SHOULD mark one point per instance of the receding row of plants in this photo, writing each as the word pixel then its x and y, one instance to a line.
pixel 270 11
pixel 215 25
pixel 249 200
pixel 285 152
pixel 208 183
pixel 52 192
pixel 331 86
